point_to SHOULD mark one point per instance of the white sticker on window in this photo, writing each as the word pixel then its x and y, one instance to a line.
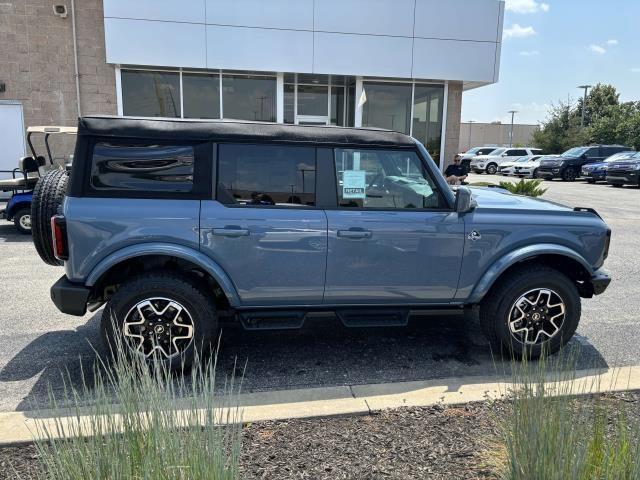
pixel 353 184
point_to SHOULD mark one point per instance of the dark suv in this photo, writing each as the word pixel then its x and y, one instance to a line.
pixel 624 171
pixel 179 225
pixel 569 165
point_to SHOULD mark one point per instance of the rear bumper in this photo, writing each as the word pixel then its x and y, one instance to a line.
pixel 70 298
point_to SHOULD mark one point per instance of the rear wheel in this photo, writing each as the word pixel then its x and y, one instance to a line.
pixel 160 317
pixel 47 199
pixel 532 311
pixel 22 220
pixel 492 168
pixel 617 185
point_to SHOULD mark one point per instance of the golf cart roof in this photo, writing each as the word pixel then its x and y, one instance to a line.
pixel 53 129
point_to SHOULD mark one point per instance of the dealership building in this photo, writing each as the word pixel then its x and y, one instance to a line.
pixel 395 64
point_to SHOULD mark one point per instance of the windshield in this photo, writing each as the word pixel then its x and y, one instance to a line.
pixel 620 156
pixel 473 150
pixel 523 159
pixel 498 151
pixel 575 152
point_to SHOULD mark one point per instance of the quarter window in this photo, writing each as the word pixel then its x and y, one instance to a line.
pixel 142 168
pixel 384 179
pixel 266 175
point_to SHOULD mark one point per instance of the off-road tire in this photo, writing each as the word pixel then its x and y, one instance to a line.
pixel 591 180
pixel 569 175
pixel 18 223
pixel 616 185
pixel 170 285
pixel 46 202
pixel 491 169
pixel 495 308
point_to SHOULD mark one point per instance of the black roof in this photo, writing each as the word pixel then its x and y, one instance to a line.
pixel 219 131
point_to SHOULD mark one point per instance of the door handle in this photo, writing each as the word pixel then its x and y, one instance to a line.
pixel 230 232
pixel 354 234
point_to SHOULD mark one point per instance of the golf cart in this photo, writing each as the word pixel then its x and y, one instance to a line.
pixel 24 178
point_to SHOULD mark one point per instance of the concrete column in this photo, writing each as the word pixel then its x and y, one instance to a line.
pixel 452 130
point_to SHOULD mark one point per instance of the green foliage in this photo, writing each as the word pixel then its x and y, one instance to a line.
pixel 142 422
pixel 555 430
pixel 530 188
pixel 607 121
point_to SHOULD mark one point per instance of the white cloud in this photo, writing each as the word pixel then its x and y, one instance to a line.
pixel 517 31
pixel 527 6
pixel 635 69
pixel 597 49
pixel 612 42
pixel 529 53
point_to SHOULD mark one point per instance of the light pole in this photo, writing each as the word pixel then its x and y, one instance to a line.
pixel 584 102
pixel 513 114
pixel 471 122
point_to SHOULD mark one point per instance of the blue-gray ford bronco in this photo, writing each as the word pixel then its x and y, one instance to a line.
pixel 178 225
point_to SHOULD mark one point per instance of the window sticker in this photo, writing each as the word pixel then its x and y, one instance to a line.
pixel 353 184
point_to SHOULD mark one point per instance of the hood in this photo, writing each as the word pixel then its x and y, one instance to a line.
pixel 498 198
pixel 623 164
pixel 595 166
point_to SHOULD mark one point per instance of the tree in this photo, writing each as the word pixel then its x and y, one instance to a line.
pixel 599 99
pixel 618 124
pixel 560 131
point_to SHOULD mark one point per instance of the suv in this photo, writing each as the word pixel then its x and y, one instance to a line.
pixel 180 225
pixel 568 166
pixel 490 163
pixel 624 171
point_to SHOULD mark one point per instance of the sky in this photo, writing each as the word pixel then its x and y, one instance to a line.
pixel 550 47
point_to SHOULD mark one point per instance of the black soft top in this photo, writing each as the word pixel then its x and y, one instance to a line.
pixel 237 131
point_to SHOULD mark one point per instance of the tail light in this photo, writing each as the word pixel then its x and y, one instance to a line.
pixel 59 237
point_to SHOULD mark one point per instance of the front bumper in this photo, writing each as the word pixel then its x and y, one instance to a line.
pixel 594 175
pixel 70 298
pixel 596 285
pixel 631 177
pixel 549 172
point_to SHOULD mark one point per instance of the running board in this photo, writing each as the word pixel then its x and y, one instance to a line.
pixel 272 320
pixel 373 318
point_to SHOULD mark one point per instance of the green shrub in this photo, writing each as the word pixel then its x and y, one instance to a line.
pixel 143 423
pixel 530 188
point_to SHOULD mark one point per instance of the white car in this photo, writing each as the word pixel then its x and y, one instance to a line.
pixel 528 169
pixel 474 152
pixel 490 163
pixel 508 168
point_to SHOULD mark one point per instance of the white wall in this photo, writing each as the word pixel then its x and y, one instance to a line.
pixel 431 39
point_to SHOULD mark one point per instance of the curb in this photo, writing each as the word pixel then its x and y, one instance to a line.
pixel 20 427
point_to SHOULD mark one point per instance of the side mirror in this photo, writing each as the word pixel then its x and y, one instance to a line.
pixel 464 200
pixel 583 156
pixel 503 155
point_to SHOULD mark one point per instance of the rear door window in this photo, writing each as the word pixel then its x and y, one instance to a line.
pixel 144 169
pixel 266 175
pixel 516 153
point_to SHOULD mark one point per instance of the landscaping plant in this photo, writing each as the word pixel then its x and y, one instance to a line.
pixel 141 422
pixel 530 188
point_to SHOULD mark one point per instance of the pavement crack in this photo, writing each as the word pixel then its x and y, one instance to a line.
pixel 352 392
pixel 368 407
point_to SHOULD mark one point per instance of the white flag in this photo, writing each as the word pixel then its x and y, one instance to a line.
pixel 363 98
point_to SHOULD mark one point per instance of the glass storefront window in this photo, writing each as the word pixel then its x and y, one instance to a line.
pixel 388 106
pixel 312 100
pixel 337 106
pixel 249 98
pixel 289 103
pixel 201 95
pixel 150 94
pixel 427 117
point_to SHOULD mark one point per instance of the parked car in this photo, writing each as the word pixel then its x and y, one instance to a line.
pixel 465 158
pixel 568 166
pixel 25 176
pixel 490 163
pixel 529 168
pixel 180 225
pixel 508 168
pixel 593 172
pixel 624 171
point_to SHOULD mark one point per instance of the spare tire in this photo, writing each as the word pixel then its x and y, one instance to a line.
pixel 47 200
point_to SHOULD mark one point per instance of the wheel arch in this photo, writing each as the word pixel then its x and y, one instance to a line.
pixel 15 207
pixel 558 257
pixel 146 257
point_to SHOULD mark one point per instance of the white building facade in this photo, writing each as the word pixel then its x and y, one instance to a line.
pixel 396 64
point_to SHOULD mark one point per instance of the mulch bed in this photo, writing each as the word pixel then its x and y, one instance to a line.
pixel 433 442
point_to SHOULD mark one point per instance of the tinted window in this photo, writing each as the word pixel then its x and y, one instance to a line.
pixel 142 168
pixel 150 94
pixel 201 95
pixel 593 152
pixel 384 179
pixel 485 151
pixel 249 98
pixel 516 153
pixel 264 175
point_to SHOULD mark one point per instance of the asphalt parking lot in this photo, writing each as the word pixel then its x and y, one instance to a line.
pixel 38 344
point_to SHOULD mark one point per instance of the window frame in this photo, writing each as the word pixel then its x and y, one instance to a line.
pixel 336 206
pixel 202 171
pixel 216 176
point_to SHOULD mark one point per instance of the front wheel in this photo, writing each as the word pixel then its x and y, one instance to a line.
pixel 569 175
pixel 533 311
pixel 22 220
pixel 160 317
pixel 492 169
